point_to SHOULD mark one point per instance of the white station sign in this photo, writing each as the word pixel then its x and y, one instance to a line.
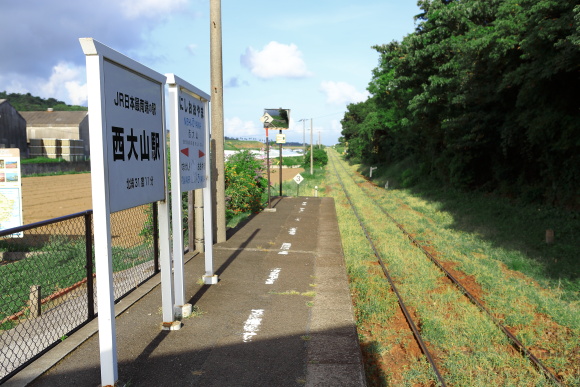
pixel 134 138
pixel 188 111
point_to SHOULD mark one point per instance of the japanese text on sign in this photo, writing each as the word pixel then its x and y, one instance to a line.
pixel 187 107
pixel 127 101
pixel 148 150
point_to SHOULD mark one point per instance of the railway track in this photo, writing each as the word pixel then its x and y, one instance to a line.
pixel 371 237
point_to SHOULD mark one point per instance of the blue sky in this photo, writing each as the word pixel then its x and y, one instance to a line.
pixel 312 57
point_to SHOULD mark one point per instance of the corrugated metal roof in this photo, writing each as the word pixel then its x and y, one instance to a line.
pixel 46 118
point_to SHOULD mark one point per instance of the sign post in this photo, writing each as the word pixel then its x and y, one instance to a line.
pixel 190 170
pixel 298 179
pixel 128 169
pixel 267 120
pixel 10 190
pixel 279 119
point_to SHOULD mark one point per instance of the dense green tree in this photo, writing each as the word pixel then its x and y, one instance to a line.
pixel 481 95
pixel 28 102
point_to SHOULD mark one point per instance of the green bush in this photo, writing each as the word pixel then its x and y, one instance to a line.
pixel 245 184
pixel 319 158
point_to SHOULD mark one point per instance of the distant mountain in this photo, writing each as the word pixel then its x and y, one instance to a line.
pixel 27 103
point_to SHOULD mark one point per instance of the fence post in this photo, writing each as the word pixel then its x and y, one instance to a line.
pixel 155 237
pixel 89 266
pixel 34 301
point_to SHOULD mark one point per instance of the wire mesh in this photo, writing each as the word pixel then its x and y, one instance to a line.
pixel 132 239
pixel 47 285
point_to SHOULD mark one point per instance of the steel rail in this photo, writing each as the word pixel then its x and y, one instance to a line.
pixel 518 344
pixel 392 284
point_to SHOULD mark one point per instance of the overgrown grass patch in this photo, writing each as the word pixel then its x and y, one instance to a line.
pixel 312 185
pixel 471 349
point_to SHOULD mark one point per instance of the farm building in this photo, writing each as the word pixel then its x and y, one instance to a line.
pixel 58 134
pixel 12 128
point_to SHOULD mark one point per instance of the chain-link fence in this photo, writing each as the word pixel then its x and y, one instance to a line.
pixel 47 281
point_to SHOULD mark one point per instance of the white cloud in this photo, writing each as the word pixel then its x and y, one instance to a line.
pixel 342 93
pixel 275 60
pixel 65 84
pixel 235 127
pixel 150 8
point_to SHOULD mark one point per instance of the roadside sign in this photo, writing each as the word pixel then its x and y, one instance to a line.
pixel 280 139
pixel 10 190
pixel 298 178
pixel 279 119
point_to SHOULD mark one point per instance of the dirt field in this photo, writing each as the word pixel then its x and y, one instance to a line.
pixel 49 197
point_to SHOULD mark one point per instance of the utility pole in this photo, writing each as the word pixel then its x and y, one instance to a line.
pixel 311 150
pixel 304 134
pixel 217 118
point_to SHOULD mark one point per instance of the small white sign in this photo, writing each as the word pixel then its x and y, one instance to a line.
pixel 298 178
pixel 10 190
pixel 280 139
pixel 266 118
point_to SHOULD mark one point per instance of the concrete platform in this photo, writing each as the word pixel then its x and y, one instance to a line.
pixel 280 315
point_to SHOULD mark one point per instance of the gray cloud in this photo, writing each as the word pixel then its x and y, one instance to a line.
pixel 37 35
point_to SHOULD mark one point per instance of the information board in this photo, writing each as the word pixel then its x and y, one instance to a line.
pixel 10 189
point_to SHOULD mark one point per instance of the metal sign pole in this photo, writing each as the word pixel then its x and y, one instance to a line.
pixel 268 166
pixel 102 226
pixel 280 166
pixel 209 278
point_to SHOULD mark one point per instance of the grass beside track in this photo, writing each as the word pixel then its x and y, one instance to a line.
pixel 469 347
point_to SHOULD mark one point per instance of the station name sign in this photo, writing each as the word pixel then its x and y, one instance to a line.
pixel 134 138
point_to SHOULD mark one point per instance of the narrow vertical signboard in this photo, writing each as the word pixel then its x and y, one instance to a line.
pixel 188 110
pixel 127 135
pixel 10 190
pixel 188 116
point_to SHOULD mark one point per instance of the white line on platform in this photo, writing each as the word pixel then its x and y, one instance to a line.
pixel 304 203
pixel 297 219
pixel 284 248
pixel 292 231
pixel 301 209
pixel 252 324
pixel 273 276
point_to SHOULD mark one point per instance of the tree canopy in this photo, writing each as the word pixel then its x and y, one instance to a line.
pixel 483 94
pixel 28 102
